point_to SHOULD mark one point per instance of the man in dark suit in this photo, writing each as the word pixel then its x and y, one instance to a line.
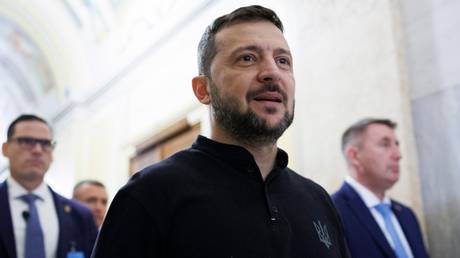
pixel 375 225
pixel 35 221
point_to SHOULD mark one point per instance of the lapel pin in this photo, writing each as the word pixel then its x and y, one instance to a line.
pixel 398 207
pixel 67 208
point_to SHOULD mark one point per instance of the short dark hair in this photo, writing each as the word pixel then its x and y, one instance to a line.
pixel 22 118
pixel 357 129
pixel 89 182
pixel 207 47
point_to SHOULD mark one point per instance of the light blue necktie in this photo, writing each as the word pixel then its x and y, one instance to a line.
pixel 385 210
pixel 34 244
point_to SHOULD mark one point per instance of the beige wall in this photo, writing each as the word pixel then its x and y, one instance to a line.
pixel 349 66
pixel 433 58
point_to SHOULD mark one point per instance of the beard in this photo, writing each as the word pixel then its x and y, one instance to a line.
pixel 246 126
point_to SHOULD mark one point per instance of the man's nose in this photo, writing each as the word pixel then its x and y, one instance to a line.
pixel 269 71
pixel 397 153
pixel 38 147
pixel 100 206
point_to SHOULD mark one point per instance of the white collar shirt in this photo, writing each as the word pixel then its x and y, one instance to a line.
pixel 46 212
pixel 371 200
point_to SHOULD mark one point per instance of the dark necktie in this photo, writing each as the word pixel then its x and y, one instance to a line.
pixel 34 244
pixel 385 210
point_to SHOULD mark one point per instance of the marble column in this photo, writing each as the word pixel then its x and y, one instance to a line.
pixel 433 60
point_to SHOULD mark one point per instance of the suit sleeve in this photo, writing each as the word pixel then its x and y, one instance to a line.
pixel 92 234
pixel 128 231
pixel 416 237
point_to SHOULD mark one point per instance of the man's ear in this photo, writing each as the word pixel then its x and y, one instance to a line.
pixel 352 155
pixel 5 149
pixel 200 88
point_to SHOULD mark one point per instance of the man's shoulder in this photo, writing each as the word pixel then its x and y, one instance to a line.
pixel 69 205
pixel 304 182
pixel 3 187
pixel 170 167
pixel 399 206
pixel 4 197
pixel 344 192
pixel 346 198
pixel 166 173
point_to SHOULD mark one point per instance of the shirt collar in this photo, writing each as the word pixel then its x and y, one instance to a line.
pixel 369 198
pixel 236 156
pixel 16 190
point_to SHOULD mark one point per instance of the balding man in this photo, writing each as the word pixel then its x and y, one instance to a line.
pixel 93 194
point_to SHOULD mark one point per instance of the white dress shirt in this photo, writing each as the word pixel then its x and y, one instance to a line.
pixel 371 201
pixel 46 212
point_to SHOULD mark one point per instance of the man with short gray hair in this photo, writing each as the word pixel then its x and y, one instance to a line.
pixel 93 194
pixel 375 225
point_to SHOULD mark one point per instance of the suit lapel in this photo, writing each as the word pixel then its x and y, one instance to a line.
pixel 62 210
pixel 360 210
pixel 405 223
pixel 6 224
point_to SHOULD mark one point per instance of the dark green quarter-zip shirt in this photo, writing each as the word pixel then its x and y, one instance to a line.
pixel 211 201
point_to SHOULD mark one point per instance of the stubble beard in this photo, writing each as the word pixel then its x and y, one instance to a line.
pixel 246 127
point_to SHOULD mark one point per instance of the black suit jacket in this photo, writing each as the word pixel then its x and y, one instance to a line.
pixel 364 236
pixel 76 226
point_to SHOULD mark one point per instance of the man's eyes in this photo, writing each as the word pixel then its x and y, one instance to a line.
pixel 91 200
pixel 247 58
pixel 32 141
pixel 284 61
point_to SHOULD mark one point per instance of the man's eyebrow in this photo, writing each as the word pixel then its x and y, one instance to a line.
pixel 385 139
pixel 283 51
pixel 245 48
pixel 258 49
pixel 389 139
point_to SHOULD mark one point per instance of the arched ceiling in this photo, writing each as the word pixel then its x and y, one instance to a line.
pixel 84 43
pixel 55 54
